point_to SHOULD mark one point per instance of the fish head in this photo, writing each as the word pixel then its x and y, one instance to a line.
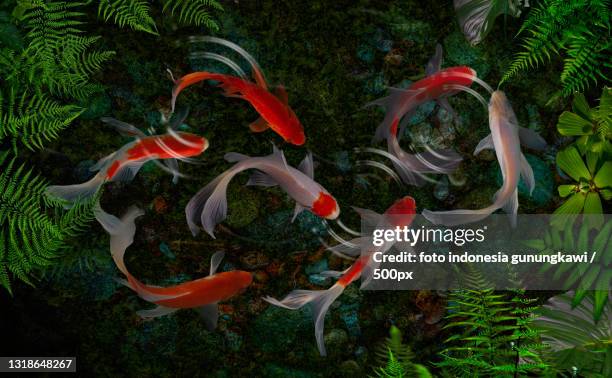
pixel 191 144
pixel 325 206
pixel 500 108
pixel 402 212
pixel 295 130
pixel 243 279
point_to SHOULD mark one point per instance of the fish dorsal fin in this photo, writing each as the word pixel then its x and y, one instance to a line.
pixel 261 179
pixel 278 156
pixel 435 62
pixel 215 261
pixel 210 315
pixel 123 128
pixel 281 93
pixel 307 166
pixel 372 218
pixel 485 143
pixel 298 209
pixel 259 125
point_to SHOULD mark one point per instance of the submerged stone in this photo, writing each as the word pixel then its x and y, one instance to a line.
pixel 317 267
pixel 278 330
pixel 319 280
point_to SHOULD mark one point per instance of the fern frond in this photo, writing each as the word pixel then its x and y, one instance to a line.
pixel 133 13
pixel 194 12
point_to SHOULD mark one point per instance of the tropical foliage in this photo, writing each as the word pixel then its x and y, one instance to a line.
pixel 579 29
pixel 395 358
pixel 578 345
pixel 476 17
pixel 581 237
pixel 137 13
pixel 491 335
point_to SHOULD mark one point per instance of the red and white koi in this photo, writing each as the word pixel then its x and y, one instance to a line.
pixel 438 85
pixel 124 164
pixel 202 294
pixel 401 213
pixel 505 138
pixel 209 205
pixel 273 108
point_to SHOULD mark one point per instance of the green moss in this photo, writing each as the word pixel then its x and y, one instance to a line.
pixel 243 204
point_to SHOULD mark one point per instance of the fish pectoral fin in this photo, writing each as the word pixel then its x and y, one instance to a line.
pixel 210 315
pixel 259 178
pixel 307 165
pixel 156 312
pixel 527 174
pixel 531 139
pixel 485 143
pixel 259 125
pixel 298 209
pixel 435 62
pixel 215 261
pixel 123 128
pixel 281 94
pixel 172 165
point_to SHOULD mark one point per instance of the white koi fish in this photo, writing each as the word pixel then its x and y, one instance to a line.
pixel 505 138
pixel 209 205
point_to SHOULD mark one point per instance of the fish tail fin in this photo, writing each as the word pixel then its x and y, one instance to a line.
pixel 73 193
pixel 320 302
pixel 209 205
pixel 458 217
pixel 121 232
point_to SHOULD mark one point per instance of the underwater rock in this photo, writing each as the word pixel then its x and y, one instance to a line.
pixel 375 84
pixel 544 181
pixel 233 340
pixel 316 267
pixel 336 341
pixel 278 330
pixel 261 276
pixel 441 190
pixel 165 250
pixel 160 205
pixel 319 280
pixel 254 260
pixel 361 354
pixel 458 52
pixel 81 172
pixel 365 53
pixel 384 45
pixel 311 224
pixel 342 161
pixel 349 313
pixel 243 206
pixel 350 368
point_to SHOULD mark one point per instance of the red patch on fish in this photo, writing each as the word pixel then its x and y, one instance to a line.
pixel 325 206
pixel 402 212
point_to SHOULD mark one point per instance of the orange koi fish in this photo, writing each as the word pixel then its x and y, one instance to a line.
pixel 401 213
pixel 124 164
pixel 273 108
pixel 209 205
pixel 203 293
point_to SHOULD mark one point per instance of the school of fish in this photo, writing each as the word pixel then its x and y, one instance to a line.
pixel 209 206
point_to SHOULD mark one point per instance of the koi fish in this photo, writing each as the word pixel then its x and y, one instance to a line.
pixel 124 164
pixel 438 85
pixel 505 138
pixel 203 293
pixel 401 213
pixel 273 108
pixel 209 205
